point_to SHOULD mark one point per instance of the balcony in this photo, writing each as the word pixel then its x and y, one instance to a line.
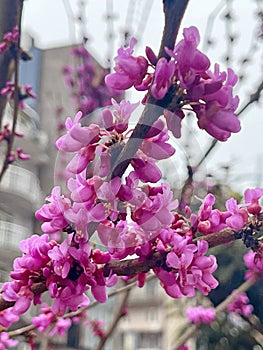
pixel 10 236
pixel 20 189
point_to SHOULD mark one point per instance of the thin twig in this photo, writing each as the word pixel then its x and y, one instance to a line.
pixel 8 20
pixel 16 96
pixel 253 98
pixel 189 333
pixel 72 314
pixel 119 314
pixel 131 267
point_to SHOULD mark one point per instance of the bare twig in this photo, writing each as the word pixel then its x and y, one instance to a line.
pixel 254 97
pixel 16 95
pixel 9 15
pixel 189 333
pixel 118 316
pixel 72 314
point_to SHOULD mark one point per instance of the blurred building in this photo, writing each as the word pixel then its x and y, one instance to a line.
pixel 20 187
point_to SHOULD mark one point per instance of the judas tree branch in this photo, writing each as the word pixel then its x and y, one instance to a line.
pixel 131 267
pixel 158 259
pixel 119 314
pixel 9 18
pixel 81 310
pixel 189 333
pixel 173 12
pixel 16 93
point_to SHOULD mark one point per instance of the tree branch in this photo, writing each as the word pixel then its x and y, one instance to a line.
pixel 131 267
pixel 16 94
pixel 9 18
pixel 173 12
pixel 72 314
pixel 118 316
pixel 221 307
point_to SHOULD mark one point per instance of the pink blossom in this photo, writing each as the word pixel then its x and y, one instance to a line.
pixel 254 263
pixel 61 327
pixel 61 259
pixel 129 70
pixel 238 217
pixel 217 116
pixel 210 220
pixel 97 327
pixel 156 212
pixel 77 136
pixel 24 92
pixel 190 267
pixel 122 113
pixel 155 143
pixel 146 169
pixel 240 305
pixel 189 60
pixel 7 318
pixel 53 213
pixel 162 78
pixel 252 197
pixel 200 314
pixel 6 341
pixel 9 39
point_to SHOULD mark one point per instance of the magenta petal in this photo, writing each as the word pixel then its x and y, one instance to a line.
pixel 118 81
pixel 84 135
pixel 67 144
pixel 99 293
pixel 173 260
pixel 78 163
pixel 21 305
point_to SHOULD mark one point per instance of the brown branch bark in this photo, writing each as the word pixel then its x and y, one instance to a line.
pixel 173 12
pixel 16 94
pixel 9 18
pixel 131 267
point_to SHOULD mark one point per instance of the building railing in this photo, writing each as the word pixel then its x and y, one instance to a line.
pixel 22 182
pixel 11 234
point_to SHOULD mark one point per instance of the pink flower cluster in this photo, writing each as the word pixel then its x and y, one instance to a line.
pixel 68 271
pixel 97 327
pixel 5 135
pixel 23 92
pixel 241 305
pixel 236 216
pixel 9 39
pixel 87 82
pixel 6 342
pixel 199 314
pixel 47 319
pixel 188 268
pixel 185 80
pixel 254 263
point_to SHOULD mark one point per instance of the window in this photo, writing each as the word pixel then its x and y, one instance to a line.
pixel 149 341
pixel 152 314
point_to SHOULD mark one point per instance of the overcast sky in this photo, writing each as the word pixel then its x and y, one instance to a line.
pixel 53 23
